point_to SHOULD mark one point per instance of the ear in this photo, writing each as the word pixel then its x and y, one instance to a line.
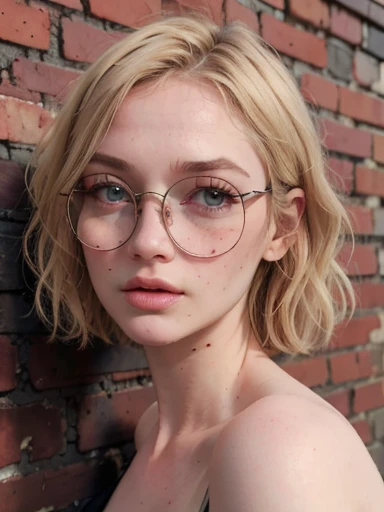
pixel 285 234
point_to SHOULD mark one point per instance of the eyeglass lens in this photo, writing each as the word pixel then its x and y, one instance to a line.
pixel 203 215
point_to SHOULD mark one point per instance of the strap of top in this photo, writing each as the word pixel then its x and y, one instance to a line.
pixel 205 505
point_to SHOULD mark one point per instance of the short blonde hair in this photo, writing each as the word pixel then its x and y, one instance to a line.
pixel 294 303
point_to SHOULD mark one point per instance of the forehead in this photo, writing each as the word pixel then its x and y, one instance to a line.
pixel 178 120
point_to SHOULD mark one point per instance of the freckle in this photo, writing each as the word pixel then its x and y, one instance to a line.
pixel 109 269
pixel 193 350
pixel 181 368
pixel 225 266
pixel 220 238
pixel 241 268
pixel 213 251
pixel 207 282
pixel 208 344
pixel 198 277
pixel 198 462
pixel 97 246
pixel 189 315
pixel 169 502
pixel 237 397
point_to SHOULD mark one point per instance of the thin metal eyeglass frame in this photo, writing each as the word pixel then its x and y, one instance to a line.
pixel 137 196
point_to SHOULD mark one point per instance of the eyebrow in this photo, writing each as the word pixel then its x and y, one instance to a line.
pixel 190 167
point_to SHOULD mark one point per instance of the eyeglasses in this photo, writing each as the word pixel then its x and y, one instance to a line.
pixel 203 215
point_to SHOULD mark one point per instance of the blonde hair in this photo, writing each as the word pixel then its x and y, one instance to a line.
pixel 294 303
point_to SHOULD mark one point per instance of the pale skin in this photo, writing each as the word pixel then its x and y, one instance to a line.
pixel 226 417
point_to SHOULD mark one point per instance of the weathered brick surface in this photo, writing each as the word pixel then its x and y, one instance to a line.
pixel 24 25
pixel 376 42
pixel 368 396
pixel 320 91
pixel 345 26
pixel 311 372
pixel 294 42
pixel 340 59
pixel 139 13
pixel 351 366
pixel 8 364
pixel 315 12
pixel 236 11
pixel 24 122
pixel 55 488
pixel 8 89
pixel 369 181
pixel 73 4
pixel 341 174
pixel 369 295
pixel 37 76
pixel 343 139
pixel 107 420
pixel 53 366
pixel 361 218
pixel 340 400
pixel 83 42
pixel 38 427
pixel 365 69
pixel 354 332
pixel 361 261
pixel 378 148
pixel 362 107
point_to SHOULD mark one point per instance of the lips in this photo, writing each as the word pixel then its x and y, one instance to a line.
pixel 151 295
pixel 148 284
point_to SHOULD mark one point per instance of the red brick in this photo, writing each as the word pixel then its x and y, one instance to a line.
pixel 363 428
pixel 365 69
pixel 3 121
pixel 361 219
pixel 314 11
pixel 340 174
pixel 8 89
pixel 43 424
pixel 236 11
pixel 351 366
pixel 368 396
pixel 354 332
pixel 279 4
pixel 294 42
pixel 58 365
pixel 72 4
pixel 361 262
pixel 8 364
pixel 369 181
pixel 107 420
pixel 319 91
pixel 361 107
pixel 24 25
pixel 133 374
pixel 85 43
pixel 369 295
pixel 211 8
pixel 378 148
pixel 56 488
pixel 139 13
pixel 340 401
pixel 311 372
pixel 38 76
pixel 24 122
pixel 345 26
pixel 341 138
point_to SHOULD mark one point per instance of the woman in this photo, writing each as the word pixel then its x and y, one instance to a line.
pixel 203 228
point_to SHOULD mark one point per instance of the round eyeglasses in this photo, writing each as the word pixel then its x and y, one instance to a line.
pixel 203 215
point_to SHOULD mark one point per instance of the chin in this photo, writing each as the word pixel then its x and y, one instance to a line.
pixel 151 332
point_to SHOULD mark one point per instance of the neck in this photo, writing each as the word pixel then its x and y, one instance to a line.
pixel 199 380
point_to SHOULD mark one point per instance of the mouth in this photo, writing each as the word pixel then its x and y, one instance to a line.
pixel 151 294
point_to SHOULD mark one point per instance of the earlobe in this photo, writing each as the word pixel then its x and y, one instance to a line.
pixel 288 227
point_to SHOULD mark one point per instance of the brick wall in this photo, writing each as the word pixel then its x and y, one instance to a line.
pixel 62 411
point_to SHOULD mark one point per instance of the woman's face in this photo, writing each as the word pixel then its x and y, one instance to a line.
pixel 155 132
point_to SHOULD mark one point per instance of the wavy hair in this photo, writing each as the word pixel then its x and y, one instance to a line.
pixel 294 303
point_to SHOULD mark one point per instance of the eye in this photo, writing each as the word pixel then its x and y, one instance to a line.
pixel 211 196
pixel 113 193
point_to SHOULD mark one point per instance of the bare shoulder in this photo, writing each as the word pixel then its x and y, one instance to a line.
pixel 286 452
pixel 145 425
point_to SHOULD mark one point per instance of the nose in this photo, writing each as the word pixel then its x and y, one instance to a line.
pixel 150 239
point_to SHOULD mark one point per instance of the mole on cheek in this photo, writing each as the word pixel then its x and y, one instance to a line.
pixel 208 345
pixel 109 269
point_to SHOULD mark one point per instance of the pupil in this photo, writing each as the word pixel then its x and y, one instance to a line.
pixel 114 193
pixel 213 197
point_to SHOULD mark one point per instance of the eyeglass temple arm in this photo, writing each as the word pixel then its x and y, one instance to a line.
pixel 253 193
